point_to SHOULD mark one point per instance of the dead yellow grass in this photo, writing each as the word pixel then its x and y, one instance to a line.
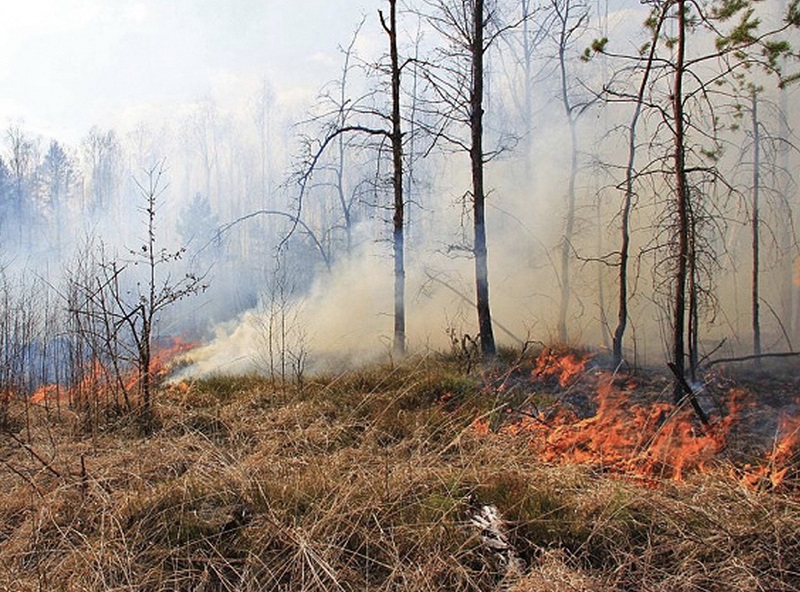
pixel 365 481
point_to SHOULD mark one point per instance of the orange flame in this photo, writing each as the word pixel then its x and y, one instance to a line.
pixel 779 460
pixel 167 354
pixel 658 440
pixel 565 366
pixel 101 383
pixel 49 392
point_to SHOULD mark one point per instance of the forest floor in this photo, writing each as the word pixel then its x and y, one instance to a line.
pixel 546 473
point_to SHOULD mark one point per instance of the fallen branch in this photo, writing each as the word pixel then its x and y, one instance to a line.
pixel 29 449
pixel 689 395
pixel 22 476
pixel 531 415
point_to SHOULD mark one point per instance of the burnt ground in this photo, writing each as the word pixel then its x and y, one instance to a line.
pixel 759 405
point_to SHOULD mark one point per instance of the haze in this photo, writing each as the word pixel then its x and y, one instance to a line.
pixel 66 65
pixel 230 99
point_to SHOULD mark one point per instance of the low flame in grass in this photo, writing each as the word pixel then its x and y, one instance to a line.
pixel 564 366
pixel 166 354
pixel 101 382
pixel 657 440
pixel 48 392
pixel 95 379
pixel 647 440
pixel 780 460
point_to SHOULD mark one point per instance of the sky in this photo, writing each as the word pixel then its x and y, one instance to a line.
pixel 66 65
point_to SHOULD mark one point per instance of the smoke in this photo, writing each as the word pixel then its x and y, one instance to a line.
pixel 231 153
pixel 346 317
pixel 345 320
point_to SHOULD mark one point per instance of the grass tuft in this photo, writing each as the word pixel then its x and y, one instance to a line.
pixel 365 481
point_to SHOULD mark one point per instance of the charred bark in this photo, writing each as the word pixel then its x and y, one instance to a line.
pixel 755 223
pixel 476 154
pixel 682 206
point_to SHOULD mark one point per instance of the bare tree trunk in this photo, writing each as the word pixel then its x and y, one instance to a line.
pixel 145 362
pixel 341 191
pixel 488 347
pixel 627 203
pixel 792 298
pixel 605 329
pixel 399 342
pixel 148 309
pixel 755 223
pixel 571 18
pixel 527 56
pixel 569 229
pixel 693 280
pixel 605 333
pixel 682 203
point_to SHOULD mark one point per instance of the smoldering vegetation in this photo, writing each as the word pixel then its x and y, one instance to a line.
pixel 205 383
pixel 414 477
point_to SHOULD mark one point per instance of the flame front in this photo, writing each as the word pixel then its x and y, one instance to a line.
pixel 565 366
pixel 657 440
pixel 103 384
pixel 646 440
pixel 779 460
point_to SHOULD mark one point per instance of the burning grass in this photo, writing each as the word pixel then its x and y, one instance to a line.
pixel 112 384
pixel 370 480
pixel 654 439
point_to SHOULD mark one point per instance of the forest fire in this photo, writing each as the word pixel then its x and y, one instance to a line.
pixel 565 366
pixel 648 440
pixel 49 392
pixel 775 471
pixel 106 383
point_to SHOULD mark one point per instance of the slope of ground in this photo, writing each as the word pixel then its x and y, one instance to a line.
pixel 374 480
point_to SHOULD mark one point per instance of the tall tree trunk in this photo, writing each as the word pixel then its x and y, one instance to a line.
pixel 627 203
pixel 340 163
pixel 569 228
pixel 488 347
pixel 693 280
pixel 605 328
pixel 399 342
pixel 569 225
pixel 682 206
pixel 601 288
pixel 527 57
pixel 755 223
pixel 145 363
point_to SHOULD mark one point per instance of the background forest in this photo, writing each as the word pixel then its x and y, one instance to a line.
pixel 635 163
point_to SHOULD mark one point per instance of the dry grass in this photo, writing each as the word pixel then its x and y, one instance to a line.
pixel 365 481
